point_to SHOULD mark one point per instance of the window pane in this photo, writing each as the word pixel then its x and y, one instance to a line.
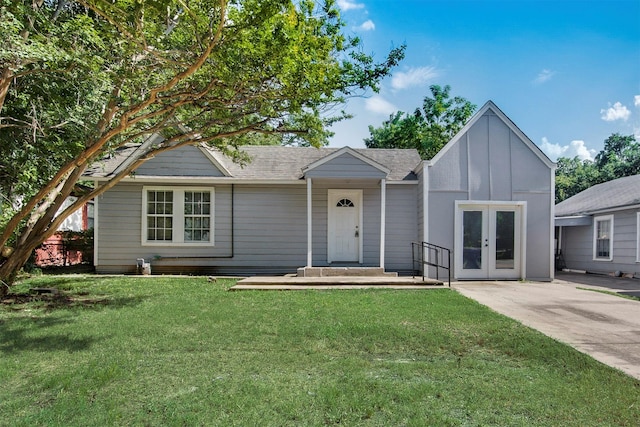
pixel 603 238
pixel 159 209
pixel 197 216
pixel 472 240
pixel 505 239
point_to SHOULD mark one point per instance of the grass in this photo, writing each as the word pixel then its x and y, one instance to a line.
pixel 183 351
pixel 620 294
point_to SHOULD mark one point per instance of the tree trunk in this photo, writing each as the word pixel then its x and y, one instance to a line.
pixel 12 265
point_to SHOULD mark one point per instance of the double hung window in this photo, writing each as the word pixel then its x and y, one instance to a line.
pixel 177 216
pixel 603 238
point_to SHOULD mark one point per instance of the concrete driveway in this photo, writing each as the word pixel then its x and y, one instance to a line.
pixel 606 327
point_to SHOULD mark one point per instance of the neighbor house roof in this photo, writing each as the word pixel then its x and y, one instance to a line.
pixel 619 193
pixel 281 163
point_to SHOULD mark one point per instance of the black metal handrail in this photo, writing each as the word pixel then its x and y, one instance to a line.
pixel 428 254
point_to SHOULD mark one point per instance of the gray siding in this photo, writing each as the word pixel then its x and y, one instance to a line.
pixel 490 162
pixel 267 234
pixel 183 161
pixel 119 228
pixel 345 166
pixel 577 246
pixel 401 226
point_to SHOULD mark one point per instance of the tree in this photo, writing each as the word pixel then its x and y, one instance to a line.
pixel 620 157
pixel 426 130
pixel 206 71
pixel 573 176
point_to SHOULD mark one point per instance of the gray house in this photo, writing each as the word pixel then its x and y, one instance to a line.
pixel 487 196
pixel 598 230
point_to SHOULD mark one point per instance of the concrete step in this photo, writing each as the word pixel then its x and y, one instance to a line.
pixel 344 272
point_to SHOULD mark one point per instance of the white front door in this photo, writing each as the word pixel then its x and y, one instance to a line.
pixel 344 226
pixel 489 240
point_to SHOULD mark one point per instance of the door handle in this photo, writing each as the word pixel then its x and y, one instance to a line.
pixel 357 232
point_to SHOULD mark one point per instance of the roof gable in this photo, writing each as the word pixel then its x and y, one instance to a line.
pixel 188 160
pixel 345 162
pixel 490 106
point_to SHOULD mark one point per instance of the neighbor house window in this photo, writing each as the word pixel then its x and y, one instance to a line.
pixel 177 216
pixel 603 238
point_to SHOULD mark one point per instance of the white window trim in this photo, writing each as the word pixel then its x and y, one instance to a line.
pixel 178 216
pixel 595 237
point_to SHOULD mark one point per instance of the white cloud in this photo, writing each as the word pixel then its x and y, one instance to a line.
pixel 379 105
pixel 615 112
pixel 573 149
pixel 367 26
pixel 544 76
pixel 348 5
pixel 414 77
pixel 636 100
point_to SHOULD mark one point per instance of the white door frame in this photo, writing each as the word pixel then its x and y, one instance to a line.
pixel 333 196
pixel 488 268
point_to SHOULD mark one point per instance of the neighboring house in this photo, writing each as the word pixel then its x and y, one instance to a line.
pixel 598 230
pixel 488 196
pixel 61 249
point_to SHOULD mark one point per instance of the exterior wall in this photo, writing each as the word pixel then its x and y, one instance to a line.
pixel 266 233
pixel 171 163
pixel 490 162
pixel 577 246
pixel 401 226
pixel 258 229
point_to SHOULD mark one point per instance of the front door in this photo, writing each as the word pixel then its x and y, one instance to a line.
pixel 488 241
pixel 344 226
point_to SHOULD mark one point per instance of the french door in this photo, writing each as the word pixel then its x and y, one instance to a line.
pixel 489 240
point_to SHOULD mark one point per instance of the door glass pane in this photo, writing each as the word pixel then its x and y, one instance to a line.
pixel 505 239
pixel 472 240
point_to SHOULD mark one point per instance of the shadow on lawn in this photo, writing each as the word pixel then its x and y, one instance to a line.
pixel 28 333
pixel 61 300
pixel 14 337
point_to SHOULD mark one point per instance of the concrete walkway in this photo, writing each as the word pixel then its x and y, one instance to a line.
pixel 606 327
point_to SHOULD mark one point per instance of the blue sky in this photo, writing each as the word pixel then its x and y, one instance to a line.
pixel 567 72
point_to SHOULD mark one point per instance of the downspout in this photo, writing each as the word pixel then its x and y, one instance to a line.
pixel 383 220
pixel 309 223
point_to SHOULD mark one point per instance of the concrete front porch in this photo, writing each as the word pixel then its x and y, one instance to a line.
pixel 337 278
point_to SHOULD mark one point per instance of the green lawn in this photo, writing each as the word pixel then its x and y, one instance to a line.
pixel 183 352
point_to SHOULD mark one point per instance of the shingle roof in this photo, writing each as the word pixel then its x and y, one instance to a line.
pixel 618 193
pixel 285 163
pixel 277 162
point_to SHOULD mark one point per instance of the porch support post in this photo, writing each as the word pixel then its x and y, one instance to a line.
pixel 383 220
pixel 309 224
